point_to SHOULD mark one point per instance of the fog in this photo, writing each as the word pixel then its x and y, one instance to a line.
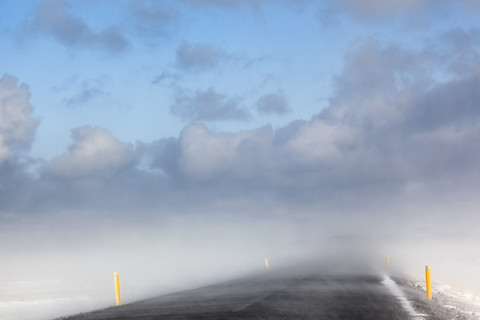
pixel 387 165
pixel 75 254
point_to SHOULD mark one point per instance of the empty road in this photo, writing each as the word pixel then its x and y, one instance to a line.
pixel 288 297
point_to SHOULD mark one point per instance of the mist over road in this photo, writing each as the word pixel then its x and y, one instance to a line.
pixel 270 296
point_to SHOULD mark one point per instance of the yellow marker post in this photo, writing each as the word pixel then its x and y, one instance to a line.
pixel 429 282
pixel 117 288
pixel 388 262
pixel 266 264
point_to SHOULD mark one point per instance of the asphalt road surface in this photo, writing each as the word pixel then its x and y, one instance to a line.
pixel 282 297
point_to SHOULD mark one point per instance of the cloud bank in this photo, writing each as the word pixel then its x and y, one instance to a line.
pixel 392 130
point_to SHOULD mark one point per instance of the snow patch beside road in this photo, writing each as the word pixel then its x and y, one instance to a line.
pixel 457 300
pixel 395 290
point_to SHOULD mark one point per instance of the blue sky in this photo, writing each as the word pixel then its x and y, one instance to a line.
pixel 253 53
pixel 256 48
pixel 283 124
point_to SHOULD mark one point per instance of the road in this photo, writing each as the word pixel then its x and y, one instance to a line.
pixel 287 297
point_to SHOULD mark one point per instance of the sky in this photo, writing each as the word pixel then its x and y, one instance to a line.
pixel 212 133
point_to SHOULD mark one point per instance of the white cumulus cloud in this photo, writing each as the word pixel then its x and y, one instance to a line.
pixel 94 151
pixel 17 125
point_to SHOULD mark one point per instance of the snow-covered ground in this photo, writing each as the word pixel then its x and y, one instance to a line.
pixel 453 301
pixel 47 299
pixel 402 299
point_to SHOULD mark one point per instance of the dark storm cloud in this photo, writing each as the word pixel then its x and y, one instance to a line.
pixel 412 132
pixel 52 17
pixel 199 56
pixel 208 105
pixel 387 85
pixel 273 103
